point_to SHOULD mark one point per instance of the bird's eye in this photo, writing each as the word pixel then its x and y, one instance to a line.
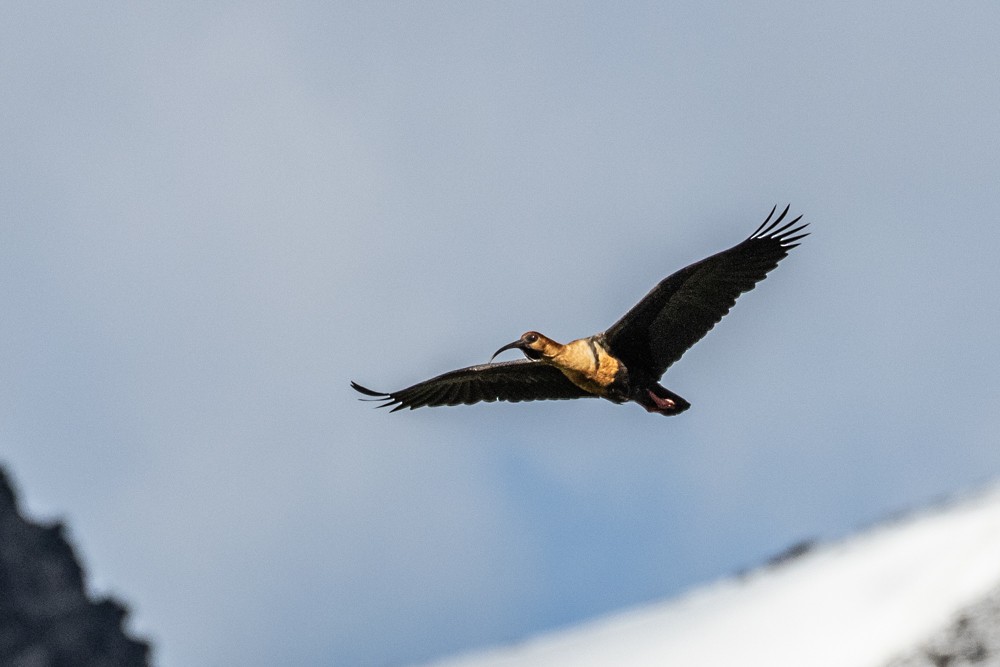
pixel 530 338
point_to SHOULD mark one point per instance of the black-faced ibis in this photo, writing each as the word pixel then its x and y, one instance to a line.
pixel 625 362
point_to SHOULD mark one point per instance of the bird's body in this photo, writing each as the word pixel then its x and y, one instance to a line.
pixel 586 363
pixel 625 362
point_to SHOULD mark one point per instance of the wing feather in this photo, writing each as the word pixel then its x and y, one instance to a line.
pixel 685 306
pixel 521 380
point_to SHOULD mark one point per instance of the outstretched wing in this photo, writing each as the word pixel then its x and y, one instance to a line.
pixel 521 380
pixel 685 306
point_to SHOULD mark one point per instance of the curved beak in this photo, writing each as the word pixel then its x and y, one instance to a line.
pixel 517 344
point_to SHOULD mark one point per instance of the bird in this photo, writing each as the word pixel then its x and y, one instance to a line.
pixel 626 361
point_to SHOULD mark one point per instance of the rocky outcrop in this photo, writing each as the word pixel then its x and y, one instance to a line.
pixel 47 619
pixel 971 639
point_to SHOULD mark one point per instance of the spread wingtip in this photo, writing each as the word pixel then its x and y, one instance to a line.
pixel 366 391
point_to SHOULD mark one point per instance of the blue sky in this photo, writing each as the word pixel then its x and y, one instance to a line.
pixel 215 217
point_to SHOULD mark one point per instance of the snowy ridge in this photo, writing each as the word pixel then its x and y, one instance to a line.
pixel 858 603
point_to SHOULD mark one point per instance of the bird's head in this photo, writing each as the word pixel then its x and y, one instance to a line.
pixel 533 344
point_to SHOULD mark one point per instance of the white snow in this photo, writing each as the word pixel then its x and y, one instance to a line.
pixel 856 603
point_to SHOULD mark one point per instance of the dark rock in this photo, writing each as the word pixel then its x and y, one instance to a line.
pixel 47 618
pixel 971 639
pixel 797 550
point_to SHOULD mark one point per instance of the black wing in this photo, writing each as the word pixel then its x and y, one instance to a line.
pixel 684 307
pixel 521 380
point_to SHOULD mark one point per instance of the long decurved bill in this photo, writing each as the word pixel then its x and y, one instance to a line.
pixel 516 345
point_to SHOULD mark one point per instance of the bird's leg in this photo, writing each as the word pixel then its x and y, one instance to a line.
pixel 659 404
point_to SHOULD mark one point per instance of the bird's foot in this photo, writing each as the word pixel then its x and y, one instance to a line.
pixel 659 404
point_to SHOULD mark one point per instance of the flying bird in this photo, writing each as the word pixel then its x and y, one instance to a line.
pixel 625 362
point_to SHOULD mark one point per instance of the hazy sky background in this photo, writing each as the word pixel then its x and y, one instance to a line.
pixel 214 216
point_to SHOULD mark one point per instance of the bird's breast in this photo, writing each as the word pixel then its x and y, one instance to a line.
pixel 589 365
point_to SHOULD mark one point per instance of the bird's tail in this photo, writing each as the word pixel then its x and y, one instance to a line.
pixel 661 400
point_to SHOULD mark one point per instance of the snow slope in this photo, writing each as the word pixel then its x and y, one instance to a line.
pixel 857 603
